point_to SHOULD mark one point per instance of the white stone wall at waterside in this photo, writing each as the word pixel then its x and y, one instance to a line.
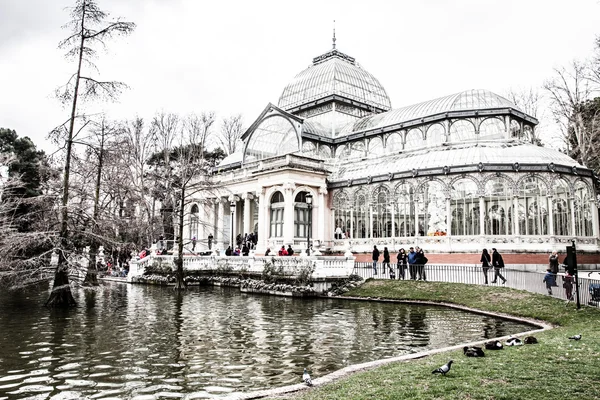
pixel 323 267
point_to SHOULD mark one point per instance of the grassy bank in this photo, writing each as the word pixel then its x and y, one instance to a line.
pixel 555 368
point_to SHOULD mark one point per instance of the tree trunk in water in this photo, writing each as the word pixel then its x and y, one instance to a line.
pixel 91 276
pixel 179 281
pixel 61 295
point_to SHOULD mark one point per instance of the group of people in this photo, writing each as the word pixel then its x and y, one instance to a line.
pixel 414 261
pixel 494 261
pixel 282 251
pixel 552 274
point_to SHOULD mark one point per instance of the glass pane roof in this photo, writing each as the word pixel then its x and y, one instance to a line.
pixel 455 155
pixel 334 73
pixel 475 99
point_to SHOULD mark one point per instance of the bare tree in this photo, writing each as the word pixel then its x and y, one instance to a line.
pixel 89 28
pixel 231 132
pixel 568 90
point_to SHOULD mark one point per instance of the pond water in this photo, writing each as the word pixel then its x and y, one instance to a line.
pixel 147 342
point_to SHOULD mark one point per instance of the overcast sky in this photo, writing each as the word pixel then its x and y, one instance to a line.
pixel 237 56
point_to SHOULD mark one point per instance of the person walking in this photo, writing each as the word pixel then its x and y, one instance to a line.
pixel 553 262
pixel 550 280
pixel 497 263
pixel 402 263
pixel 375 259
pixel 486 263
pixel 386 259
pixel 412 260
pixel 210 241
pixel 568 285
pixel 420 263
pixel 194 243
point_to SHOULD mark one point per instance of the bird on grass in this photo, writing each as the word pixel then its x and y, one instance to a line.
pixel 530 340
pixel 473 351
pixel 494 345
pixel 306 378
pixel 575 337
pixel 443 369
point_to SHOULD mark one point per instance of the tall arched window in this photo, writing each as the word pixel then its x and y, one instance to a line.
pixel 583 212
pixel 277 208
pixel 533 203
pixel 462 130
pixel 498 207
pixel 414 139
pixel 301 217
pixel 382 217
pixel 341 208
pixel 393 143
pixel 274 136
pixel 561 214
pixel 194 211
pixel 361 215
pixel 405 210
pixel 435 135
pixel 375 147
pixel 431 212
pixel 491 128
pixel 465 208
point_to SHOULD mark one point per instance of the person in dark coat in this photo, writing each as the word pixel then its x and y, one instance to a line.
pixel 375 259
pixel 498 264
pixel 290 251
pixel 245 250
pixel 420 263
pixel 228 251
pixel 412 262
pixel 386 259
pixel 486 263
pixel 553 262
pixel 402 263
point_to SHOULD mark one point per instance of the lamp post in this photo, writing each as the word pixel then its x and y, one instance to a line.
pixel 309 200
pixel 232 209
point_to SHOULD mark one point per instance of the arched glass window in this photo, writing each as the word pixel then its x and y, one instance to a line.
pixel 464 204
pixel 462 130
pixel 194 213
pixel 357 149
pixel 515 129
pixel 533 204
pixel 301 215
pixel 414 139
pixel 491 128
pixel 561 214
pixel 309 148
pixel 277 208
pixel 341 207
pixel 435 135
pixel 431 210
pixel 361 215
pixel 382 217
pixel 527 134
pixel 583 212
pixel 498 207
pixel 405 210
pixel 324 151
pixel 341 153
pixel 393 143
pixel 375 147
pixel 274 136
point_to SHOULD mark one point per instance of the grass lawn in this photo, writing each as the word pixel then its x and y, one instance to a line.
pixel 555 368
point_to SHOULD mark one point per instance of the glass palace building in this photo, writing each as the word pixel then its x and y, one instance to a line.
pixel 453 174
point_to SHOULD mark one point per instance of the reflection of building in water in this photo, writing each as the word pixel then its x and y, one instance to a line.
pixel 459 170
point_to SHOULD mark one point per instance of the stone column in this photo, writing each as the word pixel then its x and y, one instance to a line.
pixel 448 216
pixel 393 206
pixel 288 213
pixel 572 208
pixel 371 222
pixel 550 217
pixel 481 215
pixel 263 222
pixel 352 223
pixel 220 238
pixel 247 212
pixel 319 233
pixel 516 215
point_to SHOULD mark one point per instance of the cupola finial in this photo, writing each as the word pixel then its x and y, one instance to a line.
pixel 334 34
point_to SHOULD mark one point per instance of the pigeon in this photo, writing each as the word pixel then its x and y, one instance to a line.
pixel 513 341
pixel 530 340
pixel 494 345
pixel 306 378
pixel 575 337
pixel 443 369
pixel 473 351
